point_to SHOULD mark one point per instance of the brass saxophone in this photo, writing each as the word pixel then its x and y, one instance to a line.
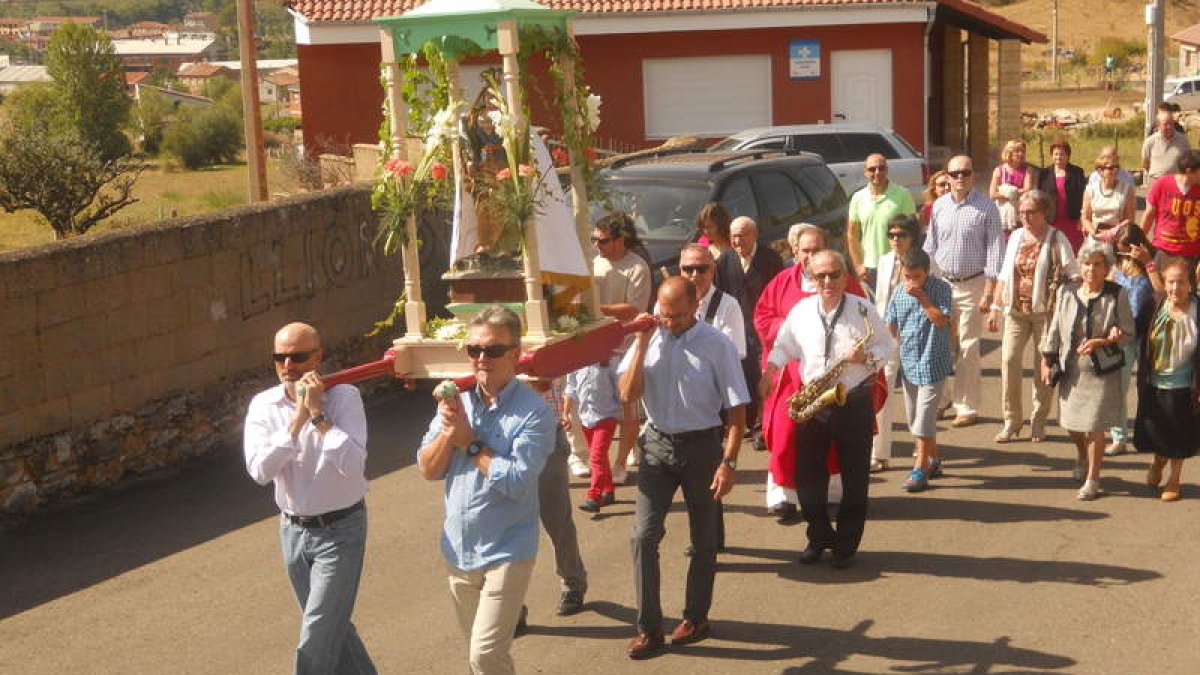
pixel 825 390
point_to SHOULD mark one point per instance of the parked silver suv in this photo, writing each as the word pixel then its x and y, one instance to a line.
pixel 844 146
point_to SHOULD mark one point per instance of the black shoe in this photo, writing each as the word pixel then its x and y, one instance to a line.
pixel 590 505
pixel 522 623
pixel 689 551
pixel 608 498
pixel 811 554
pixel 785 512
pixel 570 602
pixel 841 562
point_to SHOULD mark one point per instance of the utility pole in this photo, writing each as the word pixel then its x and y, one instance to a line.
pixel 1054 41
pixel 1154 58
pixel 251 110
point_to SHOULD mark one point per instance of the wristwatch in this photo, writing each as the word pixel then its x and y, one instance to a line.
pixel 475 447
pixel 731 463
pixel 319 419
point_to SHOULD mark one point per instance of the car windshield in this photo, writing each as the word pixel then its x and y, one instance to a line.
pixel 731 143
pixel 663 210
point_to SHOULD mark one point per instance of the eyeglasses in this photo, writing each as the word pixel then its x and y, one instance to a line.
pixel 874 169
pixel 897 234
pixel 296 357
pixel 600 241
pixel 942 184
pixel 1025 213
pixel 490 351
pixel 961 173
pixel 695 269
pixel 827 276
pixel 1109 168
pixel 672 317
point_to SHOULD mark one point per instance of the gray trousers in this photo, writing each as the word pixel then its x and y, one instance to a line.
pixel 554 497
pixel 669 462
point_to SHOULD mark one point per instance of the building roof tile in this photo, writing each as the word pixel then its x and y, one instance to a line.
pixel 363 10
pixel 1189 35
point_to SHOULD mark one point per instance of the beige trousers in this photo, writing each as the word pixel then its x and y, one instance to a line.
pixel 964 392
pixel 488 603
pixel 1020 329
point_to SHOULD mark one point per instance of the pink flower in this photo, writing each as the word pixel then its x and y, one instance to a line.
pixel 398 167
pixel 525 171
pixel 438 171
pixel 503 174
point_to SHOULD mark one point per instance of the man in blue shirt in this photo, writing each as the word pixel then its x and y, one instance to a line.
pixel 919 317
pixel 685 371
pixel 489 445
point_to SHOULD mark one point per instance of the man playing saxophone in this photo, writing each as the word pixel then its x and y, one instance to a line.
pixel 838 339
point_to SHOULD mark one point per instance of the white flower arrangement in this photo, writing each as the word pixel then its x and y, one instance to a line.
pixel 567 324
pixel 593 112
pixel 443 127
pixel 450 331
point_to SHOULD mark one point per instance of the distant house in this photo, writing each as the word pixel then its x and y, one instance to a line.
pixel 132 80
pixel 12 76
pixel 169 51
pixel 282 88
pixel 200 21
pixel 142 29
pixel 196 76
pixel 12 28
pixel 38 30
pixel 1189 50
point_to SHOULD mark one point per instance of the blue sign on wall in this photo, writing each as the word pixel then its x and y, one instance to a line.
pixel 804 59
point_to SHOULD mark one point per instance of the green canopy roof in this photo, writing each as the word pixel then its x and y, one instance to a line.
pixel 462 26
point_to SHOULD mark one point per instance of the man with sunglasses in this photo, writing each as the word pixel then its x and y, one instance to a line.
pixel 820 331
pixel 966 243
pixel 685 371
pixel 312 443
pixel 489 445
pixel 870 211
pixel 624 284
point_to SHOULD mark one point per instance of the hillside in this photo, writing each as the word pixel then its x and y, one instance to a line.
pixel 1081 22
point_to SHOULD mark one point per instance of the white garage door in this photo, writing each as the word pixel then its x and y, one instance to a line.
pixel 706 96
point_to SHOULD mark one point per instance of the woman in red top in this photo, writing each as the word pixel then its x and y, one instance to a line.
pixel 1173 211
pixel 1065 183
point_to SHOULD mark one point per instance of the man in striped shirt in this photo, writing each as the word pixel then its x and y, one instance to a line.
pixel 966 243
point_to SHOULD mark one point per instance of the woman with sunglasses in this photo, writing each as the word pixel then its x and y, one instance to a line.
pixel 902 235
pixel 1107 202
pixel 939 184
pixel 1011 179
pixel 1037 260
pixel 1065 182
pixel 712 227
pixel 1134 253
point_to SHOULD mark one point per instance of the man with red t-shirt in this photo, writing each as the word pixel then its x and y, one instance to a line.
pixel 1173 211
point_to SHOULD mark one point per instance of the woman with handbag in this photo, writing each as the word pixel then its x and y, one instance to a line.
pixel 1037 260
pixel 1082 352
pixel 1167 389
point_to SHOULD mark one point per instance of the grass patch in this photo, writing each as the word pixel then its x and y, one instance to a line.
pixel 162 193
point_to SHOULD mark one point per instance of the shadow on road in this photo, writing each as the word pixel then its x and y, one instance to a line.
pixel 827 648
pixel 154 516
pixel 871 565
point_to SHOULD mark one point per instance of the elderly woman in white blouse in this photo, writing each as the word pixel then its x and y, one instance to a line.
pixel 1037 260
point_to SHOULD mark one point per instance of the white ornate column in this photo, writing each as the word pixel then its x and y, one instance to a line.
pixel 579 203
pixel 537 319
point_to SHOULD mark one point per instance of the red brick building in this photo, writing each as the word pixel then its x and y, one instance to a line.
pixel 713 67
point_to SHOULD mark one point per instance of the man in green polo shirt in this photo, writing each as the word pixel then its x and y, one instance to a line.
pixel 871 209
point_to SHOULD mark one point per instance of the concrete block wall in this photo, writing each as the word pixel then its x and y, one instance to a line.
pixel 129 350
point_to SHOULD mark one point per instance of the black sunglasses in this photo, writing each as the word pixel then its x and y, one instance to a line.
pixel 875 169
pixel 694 269
pixel 897 234
pixel 827 276
pixel 490 351
pixel 296 357
pixel 961 173
pixel 600 241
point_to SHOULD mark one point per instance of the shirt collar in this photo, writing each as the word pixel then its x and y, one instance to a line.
pixel 278 395
pixel 501 397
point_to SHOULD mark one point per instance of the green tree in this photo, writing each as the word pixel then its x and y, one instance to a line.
pixel 203 137
pixel 62 177
pixel 90 88
pixel 153 113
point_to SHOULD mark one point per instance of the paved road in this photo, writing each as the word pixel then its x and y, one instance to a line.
pixel 997 570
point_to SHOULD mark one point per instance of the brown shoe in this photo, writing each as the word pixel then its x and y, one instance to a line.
pixel 688 632
pixel 645 645
pixel 963 421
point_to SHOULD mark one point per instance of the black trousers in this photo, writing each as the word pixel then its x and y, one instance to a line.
pixel 686 461
pixel 752 371
pixel 847 429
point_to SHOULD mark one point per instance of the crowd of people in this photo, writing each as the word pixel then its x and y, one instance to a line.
pixel 797 358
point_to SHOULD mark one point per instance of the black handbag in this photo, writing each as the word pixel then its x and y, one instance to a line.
pixel 1108 358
